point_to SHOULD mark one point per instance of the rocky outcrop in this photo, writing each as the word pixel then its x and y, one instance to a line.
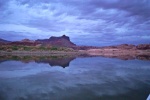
pixel 126 46
pixel 121 47
pixel 129 47
pixel 143 46
pixel 63 41
pixel 84 47
pixel 53 38
pixel 25 42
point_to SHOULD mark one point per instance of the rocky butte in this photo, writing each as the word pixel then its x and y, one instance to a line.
pixel 63 41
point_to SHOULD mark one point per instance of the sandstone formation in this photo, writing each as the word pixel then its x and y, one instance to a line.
pixel 63 41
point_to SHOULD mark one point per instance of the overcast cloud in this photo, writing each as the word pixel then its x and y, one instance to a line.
pixel 86 22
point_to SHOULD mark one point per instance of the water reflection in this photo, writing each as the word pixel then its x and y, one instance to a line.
pixel 62 61
pixel 92 78
pixel 57 61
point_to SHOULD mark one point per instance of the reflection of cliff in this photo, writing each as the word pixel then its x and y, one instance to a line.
pixel 62 61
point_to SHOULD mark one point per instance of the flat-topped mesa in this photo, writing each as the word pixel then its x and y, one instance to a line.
pixel 63 41
pixel 52 38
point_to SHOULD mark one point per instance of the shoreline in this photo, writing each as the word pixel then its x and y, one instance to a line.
pixel 88 52
pixel 123 54
pixel 38 53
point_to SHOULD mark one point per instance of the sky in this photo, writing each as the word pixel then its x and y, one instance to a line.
pixel 86 22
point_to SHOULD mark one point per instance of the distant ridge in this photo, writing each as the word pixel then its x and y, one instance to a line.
pixel 4 41
pixel 64 41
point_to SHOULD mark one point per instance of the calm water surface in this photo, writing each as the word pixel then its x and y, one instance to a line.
pixel 92 78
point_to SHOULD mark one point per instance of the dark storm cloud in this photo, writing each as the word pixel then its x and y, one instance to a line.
pixel 104 22
pixel 135 7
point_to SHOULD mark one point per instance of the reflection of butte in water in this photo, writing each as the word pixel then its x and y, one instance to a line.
pixel 52 61
pixel 63 62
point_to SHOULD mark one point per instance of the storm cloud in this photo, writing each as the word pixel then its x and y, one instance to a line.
pixel 90 22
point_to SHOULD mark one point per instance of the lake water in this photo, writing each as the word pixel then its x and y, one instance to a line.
pixel 91 78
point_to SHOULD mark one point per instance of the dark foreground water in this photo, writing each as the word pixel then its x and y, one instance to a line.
pixel 92 78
